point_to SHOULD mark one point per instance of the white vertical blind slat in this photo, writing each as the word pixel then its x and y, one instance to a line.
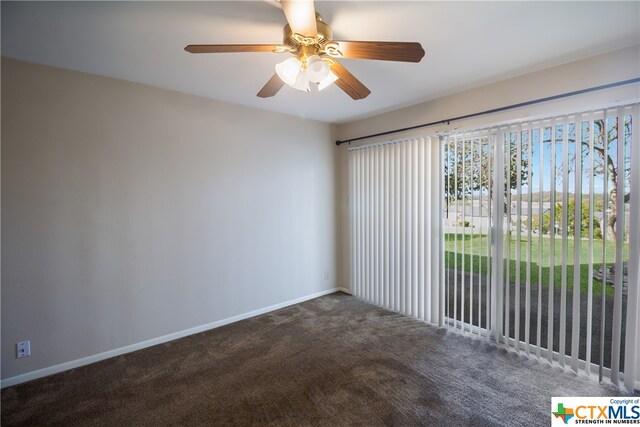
pixel 382 283
pixel 455 232
pixel 540 233
pixel 619 228
pixel 353 212
pixel 438 236
pixel 605 198
pixel 577 234
pixel 378 228
pixel 508 234
pixel 497 280
pixel 471 232
pixel 384 220
pixel 447 194
pixel 372 230
pixel 400 227
pixel 552 240
pixel 361 218
pixel 397 229
pixel 415 222
pixel 360 245
pixel 389 234
pixel 363 222
pixel 464 233
pixel 365 225
pixel 490 235
pixel 590 250
pixel 371 226
pixel 434 227
pixel 565 240
pixel 408 229
pixel 356 197
pixel 374 226
pixel 381 231
pixel 632 342
pixel 518 244
pixel 422 246
pixel 527 297
pixel 480 231
pixel 392 229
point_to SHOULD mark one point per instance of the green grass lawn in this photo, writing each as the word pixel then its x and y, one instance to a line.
pixel 478 243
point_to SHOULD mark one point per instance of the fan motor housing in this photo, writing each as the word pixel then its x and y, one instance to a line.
pixel 324 34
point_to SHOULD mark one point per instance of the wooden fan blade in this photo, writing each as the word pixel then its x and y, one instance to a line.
pixel 348 83
pixel 383 51
pixel 301 15
pixel 272 87
pixel 227 48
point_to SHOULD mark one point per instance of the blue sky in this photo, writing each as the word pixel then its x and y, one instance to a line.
pixel 547 165
pixel 545 134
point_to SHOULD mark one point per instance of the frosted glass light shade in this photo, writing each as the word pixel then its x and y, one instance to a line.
pixel 317 69
pixel 302 83
pixel 289 70
pixel 327 81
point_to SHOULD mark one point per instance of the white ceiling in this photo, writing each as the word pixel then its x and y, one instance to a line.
pixel 467 43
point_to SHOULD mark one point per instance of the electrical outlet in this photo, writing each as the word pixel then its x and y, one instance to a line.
pixel 326 275
pixel 23 349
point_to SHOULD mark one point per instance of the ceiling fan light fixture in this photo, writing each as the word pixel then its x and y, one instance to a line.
pixel 327 81
pixel 310 39
pixel 317 69
pixel 289 71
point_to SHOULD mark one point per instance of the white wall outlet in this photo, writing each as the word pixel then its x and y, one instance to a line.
pixel 23 349
pixel 326 275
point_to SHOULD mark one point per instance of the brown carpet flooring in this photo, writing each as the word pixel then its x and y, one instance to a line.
pixel 333 361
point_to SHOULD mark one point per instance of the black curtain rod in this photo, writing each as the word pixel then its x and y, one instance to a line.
pixel 494 110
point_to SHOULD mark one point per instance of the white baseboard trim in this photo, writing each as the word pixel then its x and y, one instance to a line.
pixel 39 373
pixel 345 290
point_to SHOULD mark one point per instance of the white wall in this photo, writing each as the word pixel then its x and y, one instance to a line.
pixel 131 212
pixel 610 67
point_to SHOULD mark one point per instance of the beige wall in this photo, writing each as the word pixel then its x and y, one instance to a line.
pixel 131 212
pixel 611 67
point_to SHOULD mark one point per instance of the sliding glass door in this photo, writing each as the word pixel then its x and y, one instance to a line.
pixel 537 233
pixel 527 234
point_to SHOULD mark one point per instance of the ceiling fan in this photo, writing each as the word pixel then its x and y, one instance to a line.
pixel 315 63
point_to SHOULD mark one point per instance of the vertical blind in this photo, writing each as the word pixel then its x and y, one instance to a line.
pixel 633 333
pixel 541 238
pixel 527 234
pixel 395 229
